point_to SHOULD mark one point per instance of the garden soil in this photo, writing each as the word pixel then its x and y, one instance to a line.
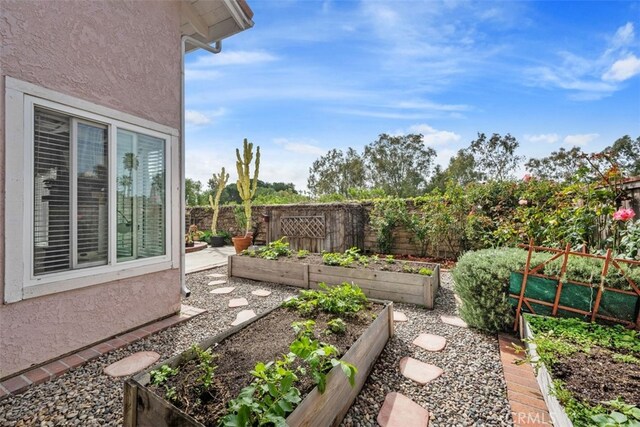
pixel 596 377
pixel 262 341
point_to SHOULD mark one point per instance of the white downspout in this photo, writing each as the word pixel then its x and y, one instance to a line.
pixel 216 48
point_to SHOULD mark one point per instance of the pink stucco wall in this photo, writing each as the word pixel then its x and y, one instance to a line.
pixel 120 54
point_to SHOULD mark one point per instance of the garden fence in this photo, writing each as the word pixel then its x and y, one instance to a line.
pixel 554 295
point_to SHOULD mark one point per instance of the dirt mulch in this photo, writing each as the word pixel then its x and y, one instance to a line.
pixel 262 341
pixel 596 377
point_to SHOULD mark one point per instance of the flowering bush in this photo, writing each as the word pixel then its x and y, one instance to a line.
pixel 624 214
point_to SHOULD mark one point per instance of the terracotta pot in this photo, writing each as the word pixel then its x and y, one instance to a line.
pixel 241 243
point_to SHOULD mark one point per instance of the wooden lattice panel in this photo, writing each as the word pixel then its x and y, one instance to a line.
pixel 303 226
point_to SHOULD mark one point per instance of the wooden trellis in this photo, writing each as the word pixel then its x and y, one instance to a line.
pixel 559 281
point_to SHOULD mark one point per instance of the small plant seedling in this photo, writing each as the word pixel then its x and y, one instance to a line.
pixel 407 268
pixel 302 253
pixel 304 329
pixel 336 326
pixel 205 366
pixel 162 374
pixel 390 259
pixel 425 271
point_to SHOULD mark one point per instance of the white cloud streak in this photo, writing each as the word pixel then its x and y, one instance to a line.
pixel 580 139
pixel 549 138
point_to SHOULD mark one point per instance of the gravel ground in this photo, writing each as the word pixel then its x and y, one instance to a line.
pixel 471 392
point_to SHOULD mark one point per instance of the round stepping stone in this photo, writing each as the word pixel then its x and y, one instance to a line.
pixel 238 302
pixel 418 371
pixel 430 342
pixel 132 364
pixel 222 290
pixel 217 282
pixel 243 316
pixel 399 316
pixel 454 321
pixel 400 411
pixel 261 293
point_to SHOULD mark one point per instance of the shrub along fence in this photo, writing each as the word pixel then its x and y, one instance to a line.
pixel 482 280
pixel 555 295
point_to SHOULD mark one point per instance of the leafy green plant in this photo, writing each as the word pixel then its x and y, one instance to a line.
pixel 406 268
pixel 336 326
pixel 425 271
pixel 162 374
pixel 390 259
pixel 274 250
pixel 304 328
pixel 621 415
pixel 341 299
pixel 337 259
pixel 269 398
pixel 386 215
pixel 206 366
pixel 319 359
pixel 302 253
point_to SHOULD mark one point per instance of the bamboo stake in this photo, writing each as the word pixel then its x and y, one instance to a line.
pixel 524 284
pixel 605 269
pixel 563 270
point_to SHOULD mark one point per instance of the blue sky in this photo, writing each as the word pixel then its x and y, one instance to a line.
pixel 315 75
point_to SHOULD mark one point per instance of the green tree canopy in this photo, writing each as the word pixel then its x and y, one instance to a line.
pixel 495 157
pixel 559 166
pixel 336 172
pixel 461 170
pixel 399 165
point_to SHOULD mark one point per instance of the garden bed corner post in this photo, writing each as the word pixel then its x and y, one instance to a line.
pixel 524 285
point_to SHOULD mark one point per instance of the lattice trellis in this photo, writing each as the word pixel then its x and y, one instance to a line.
pixel 303 226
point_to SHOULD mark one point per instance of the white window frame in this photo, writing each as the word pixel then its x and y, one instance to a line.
pixel 20 282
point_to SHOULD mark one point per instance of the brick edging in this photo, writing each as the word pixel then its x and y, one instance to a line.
pixel 528 407
pixel 55 368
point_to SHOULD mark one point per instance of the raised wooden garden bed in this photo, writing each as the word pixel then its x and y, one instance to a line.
pixel 142 407
pixel 387 285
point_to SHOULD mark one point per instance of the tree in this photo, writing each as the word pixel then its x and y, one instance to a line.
pixel 496 157
pixel 336 172
pixel 192 189
pixel 559 166
pixel 399 165
pixel 626 153
pixel 461 170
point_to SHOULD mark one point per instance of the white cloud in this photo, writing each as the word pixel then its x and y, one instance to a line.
pixel 198 118
pixel 300 147
pixel 433 137
pixel 549 138
pixel 233 57
pixel 580 139
pixel 591 78
pixel 623 69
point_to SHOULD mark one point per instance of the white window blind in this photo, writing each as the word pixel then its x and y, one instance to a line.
pixel 92 183
pixel 52 189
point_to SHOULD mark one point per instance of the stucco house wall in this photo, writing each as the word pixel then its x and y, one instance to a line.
pixel 119 54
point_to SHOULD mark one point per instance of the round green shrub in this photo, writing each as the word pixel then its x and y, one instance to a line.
pixel 482 282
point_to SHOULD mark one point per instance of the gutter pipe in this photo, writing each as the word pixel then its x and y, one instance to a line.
pixel 216 48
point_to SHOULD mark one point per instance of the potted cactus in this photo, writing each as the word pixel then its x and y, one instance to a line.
pixel 217 240
pixel 247 187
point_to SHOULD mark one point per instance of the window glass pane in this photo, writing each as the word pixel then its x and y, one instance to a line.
pixel 141 196
pixel 51 236
pixel 93 183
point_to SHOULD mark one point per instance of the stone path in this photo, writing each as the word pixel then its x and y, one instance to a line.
pixel 217 282
pixel 132 364
pixel 398 410
pixel 225 290
pixel 238 302
pixel 243 316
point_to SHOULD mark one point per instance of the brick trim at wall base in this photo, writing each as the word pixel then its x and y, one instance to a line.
pixel 528 407
pixel 55 368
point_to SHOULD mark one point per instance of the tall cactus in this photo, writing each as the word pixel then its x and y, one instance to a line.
pixel 246 185
pixel 221 181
